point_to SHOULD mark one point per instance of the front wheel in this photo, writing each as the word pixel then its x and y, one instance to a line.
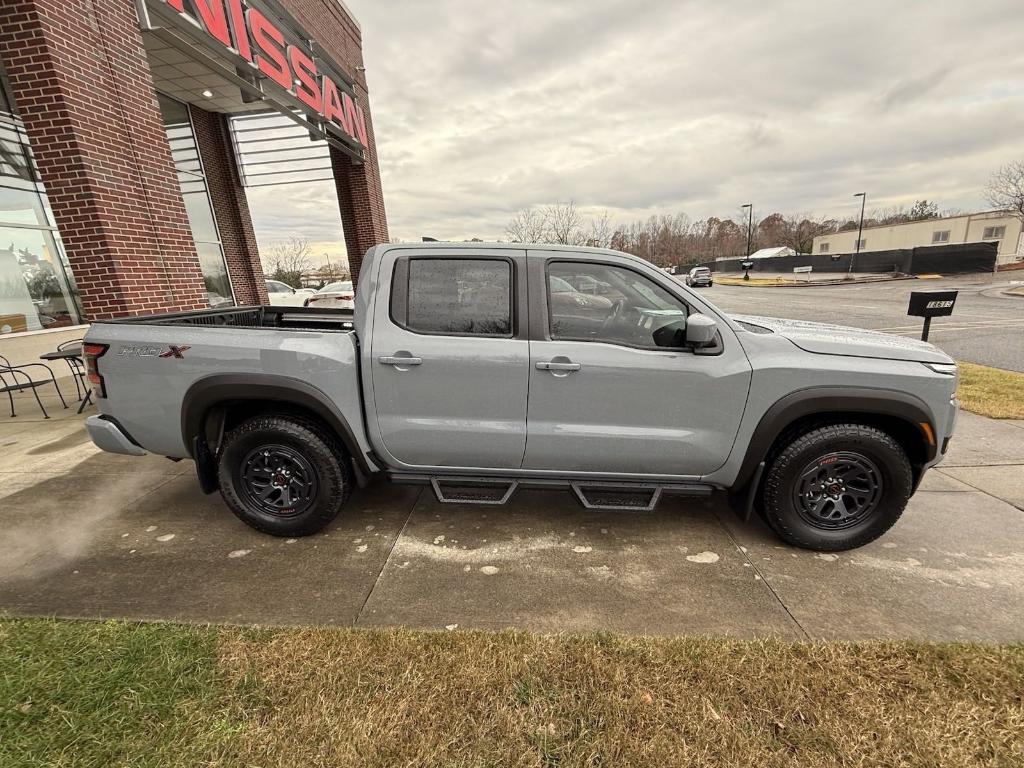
pixel 285 476
pixel 837 487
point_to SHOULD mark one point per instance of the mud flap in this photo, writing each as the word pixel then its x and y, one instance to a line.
pixel 206 465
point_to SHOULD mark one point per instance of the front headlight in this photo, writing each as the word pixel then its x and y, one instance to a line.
pixel 949 369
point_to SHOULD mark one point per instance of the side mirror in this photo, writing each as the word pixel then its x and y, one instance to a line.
pixel 700 330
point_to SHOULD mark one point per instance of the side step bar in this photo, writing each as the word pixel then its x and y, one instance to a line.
pixel 591 494
pixel 458 490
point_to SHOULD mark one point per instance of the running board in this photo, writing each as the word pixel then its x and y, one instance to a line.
pixel 591 494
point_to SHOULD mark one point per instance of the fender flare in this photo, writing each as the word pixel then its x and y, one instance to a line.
pixel 889 403
pixel 209 392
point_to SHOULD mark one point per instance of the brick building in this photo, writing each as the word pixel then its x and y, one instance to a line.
pixel 129 133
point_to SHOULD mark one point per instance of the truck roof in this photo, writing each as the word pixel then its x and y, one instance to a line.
pixel 379 250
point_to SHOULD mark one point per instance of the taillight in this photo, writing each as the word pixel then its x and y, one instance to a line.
pixel 92 354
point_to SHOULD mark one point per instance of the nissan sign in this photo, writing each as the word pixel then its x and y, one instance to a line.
pixel 278 51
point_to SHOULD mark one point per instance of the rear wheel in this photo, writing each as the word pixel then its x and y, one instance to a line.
pixel 285 476
pixel 837 487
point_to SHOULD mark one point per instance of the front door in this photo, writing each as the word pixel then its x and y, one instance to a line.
pixel 613 389
pixel 449 361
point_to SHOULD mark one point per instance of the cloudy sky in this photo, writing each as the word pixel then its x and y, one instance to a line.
pixel 662 106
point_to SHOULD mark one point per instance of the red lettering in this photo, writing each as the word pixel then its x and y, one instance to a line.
pixel 307 90
pixel 271 59
pixel 355 120
pixel 211 13
pixel 239 29
pixel 333 111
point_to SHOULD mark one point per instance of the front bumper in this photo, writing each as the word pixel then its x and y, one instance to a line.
pixel 108 435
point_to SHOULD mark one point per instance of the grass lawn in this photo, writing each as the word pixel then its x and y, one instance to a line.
pixel 117 694
pixel 991 392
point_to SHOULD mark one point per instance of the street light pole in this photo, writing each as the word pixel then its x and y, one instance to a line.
pixel 860 230
pixel 750 226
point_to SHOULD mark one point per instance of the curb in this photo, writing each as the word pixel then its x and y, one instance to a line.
pixel 742 284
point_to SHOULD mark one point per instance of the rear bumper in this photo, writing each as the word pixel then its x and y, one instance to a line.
pixel 109 436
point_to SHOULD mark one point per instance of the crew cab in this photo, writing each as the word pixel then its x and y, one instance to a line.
pixel 481 370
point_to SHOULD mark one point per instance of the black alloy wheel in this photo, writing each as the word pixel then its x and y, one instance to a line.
pixel 278 480
pixel 838 490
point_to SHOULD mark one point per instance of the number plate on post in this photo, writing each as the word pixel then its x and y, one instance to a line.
pixel 931 303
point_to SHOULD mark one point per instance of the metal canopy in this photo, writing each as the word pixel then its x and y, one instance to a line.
pixel 271 149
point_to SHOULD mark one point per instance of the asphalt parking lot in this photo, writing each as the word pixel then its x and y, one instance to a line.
pixel 987 326
pixel 89 534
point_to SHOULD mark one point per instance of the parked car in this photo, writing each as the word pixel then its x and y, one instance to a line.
pixel 461 369
pixel 333 296
pixel 699 276
pixel 283 295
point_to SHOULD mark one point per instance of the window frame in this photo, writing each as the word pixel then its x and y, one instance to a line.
pixel 1000 229
pixel 398 295
pixel 548 335
pixel 940 236
pixel 824 247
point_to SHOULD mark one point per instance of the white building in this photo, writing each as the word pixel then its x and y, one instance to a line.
pixel 993 226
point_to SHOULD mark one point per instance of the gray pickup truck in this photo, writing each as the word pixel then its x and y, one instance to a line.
pixel 483 369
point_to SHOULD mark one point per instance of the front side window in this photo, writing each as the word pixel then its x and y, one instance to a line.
pixel 465 297
pixel 615 305
pixel 36 288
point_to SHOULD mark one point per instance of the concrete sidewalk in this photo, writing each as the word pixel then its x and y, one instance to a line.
pixel 97 535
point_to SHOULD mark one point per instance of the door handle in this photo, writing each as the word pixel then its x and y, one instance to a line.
pixel 553 366
pixel 400 361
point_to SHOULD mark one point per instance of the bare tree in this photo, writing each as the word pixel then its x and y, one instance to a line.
pixel 564 224
pixel 287 260
pixel 527 226
pixel 601 231
pixel 1005 189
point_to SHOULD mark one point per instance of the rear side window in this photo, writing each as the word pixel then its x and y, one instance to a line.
pixel 464 297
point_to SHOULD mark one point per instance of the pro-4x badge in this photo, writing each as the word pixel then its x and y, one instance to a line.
pixel 173 351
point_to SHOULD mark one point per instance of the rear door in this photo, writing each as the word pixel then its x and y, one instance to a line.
pixel 450 358
pixel 612 387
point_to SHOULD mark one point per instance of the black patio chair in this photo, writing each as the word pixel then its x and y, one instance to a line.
pixel 71 353
pixel 11 383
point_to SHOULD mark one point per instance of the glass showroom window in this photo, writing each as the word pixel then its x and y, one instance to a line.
pixel 196 195
pixel 36 288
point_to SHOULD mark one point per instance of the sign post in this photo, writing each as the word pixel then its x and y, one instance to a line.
pixel 746 266
pixel 929 304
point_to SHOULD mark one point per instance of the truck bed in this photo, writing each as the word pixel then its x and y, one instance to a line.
pixel 263 316
pixel 157 367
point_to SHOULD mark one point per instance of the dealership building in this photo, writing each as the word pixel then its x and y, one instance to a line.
pixel 1000 228
pixel 130 131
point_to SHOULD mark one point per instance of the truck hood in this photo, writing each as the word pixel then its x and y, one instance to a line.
pixel 824 339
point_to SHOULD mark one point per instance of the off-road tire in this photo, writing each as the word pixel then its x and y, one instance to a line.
pixel 779 507
pixel 307 439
